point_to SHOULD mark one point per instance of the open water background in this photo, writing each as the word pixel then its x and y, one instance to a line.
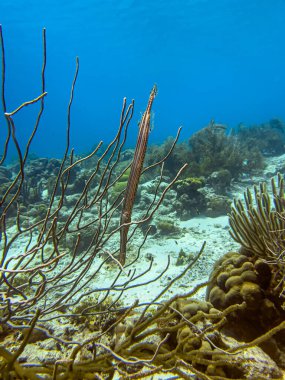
pixel 221 59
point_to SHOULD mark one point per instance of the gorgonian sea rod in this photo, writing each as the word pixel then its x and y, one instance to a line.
pixel 60 231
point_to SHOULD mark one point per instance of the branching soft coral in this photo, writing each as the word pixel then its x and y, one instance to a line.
pixel 259 226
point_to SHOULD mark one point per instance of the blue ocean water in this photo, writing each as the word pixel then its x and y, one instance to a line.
pixel 221 59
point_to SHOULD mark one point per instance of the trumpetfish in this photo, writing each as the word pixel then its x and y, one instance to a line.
pixel 134 177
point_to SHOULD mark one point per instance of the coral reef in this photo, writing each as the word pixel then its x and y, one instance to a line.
pixel 215 158
pixel 190 201
pixel 212 149
pixel 120 186
pixel 190 336
pixel 215 204
pixel 255 276
pixel 180 153
pixel 238 279
pixel 220 181
pixel 58 321
pixel 268 138
pixel 259 226
pixel 167 227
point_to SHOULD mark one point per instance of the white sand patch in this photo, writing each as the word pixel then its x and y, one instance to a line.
pixel 193 233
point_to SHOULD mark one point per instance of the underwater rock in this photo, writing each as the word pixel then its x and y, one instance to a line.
pixel 120 186
pixel 147 190
pixel 78 184
pixel 183 258
pixel 167 227
pixel 44 356
pixel 189 185
pixel 216 205
pixel 220 181
pixel 274 166
pixel 190 201
pixel 251 363
pixel 85 239
pixel 5 175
